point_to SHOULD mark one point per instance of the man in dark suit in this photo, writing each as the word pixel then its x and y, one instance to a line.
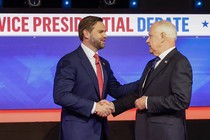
pixel 165 89
pixel 77 86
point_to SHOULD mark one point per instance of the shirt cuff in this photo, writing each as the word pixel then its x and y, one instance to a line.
pixel 146 102
pixel 94 108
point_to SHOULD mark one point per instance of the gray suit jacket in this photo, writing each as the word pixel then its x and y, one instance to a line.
pixel 169 90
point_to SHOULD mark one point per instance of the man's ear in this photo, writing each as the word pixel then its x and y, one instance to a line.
pixel 86 34
pixel 163 37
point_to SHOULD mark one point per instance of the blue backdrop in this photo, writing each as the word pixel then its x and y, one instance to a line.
pixel 27 66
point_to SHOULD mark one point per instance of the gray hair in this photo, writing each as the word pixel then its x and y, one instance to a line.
pixel 168 28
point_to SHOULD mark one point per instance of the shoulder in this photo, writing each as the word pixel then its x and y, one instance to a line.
pixel 71 55
pixel 69 59
pixel 181 57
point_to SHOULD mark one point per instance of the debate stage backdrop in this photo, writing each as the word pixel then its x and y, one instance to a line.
pixel 32 44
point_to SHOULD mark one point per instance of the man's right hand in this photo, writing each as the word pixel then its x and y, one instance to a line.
pixel 104 108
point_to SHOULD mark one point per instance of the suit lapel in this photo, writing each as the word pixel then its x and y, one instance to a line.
pixel 160 67
pixel 88 68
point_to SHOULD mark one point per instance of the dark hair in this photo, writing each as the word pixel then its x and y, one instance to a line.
pixel 87 23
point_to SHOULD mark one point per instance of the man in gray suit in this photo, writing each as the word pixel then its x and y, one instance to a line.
pixel 165 89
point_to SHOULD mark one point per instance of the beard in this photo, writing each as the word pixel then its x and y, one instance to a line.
pixel 97 43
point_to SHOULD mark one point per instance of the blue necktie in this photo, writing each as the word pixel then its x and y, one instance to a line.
pixel 151 69
pixel 154 62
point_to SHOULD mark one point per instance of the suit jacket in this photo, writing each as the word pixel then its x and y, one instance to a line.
pixel 76 89
pixel 169 93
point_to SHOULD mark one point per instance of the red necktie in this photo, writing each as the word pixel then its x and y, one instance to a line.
pixel 99 74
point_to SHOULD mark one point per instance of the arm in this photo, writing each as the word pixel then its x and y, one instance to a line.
pixel 114 88
pixel 64 85
pixel 125 103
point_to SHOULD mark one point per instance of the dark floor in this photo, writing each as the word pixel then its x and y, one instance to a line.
pixel 118 130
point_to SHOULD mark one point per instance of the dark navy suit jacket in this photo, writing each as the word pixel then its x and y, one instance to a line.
pixel 76 90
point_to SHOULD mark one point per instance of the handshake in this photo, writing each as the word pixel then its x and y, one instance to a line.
pixel 104 108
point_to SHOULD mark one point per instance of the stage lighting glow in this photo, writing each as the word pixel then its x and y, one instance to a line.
pixel 133 4
pixel 66 3
pixel 198 4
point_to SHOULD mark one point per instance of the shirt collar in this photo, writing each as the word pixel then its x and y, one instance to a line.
pixel 163 55
pixel 88 51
